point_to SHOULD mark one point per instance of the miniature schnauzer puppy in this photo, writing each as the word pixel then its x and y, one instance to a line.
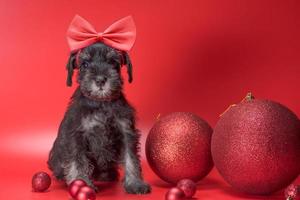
pixel 98 130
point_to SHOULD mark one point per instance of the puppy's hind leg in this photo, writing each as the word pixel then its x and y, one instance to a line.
pixel 55 162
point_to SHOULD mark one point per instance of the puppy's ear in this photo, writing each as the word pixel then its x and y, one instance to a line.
pixel 71 65
pixel 128 63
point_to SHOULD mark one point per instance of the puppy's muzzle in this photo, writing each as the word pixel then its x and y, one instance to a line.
pixel 101 80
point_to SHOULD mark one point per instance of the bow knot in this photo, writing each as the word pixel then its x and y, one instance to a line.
pixel 100 36
pixel 120 35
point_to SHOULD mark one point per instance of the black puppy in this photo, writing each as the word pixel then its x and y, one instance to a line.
pixel 98 130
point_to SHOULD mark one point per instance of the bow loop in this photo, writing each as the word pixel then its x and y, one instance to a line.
pixel 120 35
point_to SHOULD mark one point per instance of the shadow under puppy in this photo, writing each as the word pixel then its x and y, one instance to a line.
pixel 98 130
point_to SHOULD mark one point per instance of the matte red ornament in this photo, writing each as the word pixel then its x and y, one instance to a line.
pixel 175 194
pixel 188 186
pixel 41 181
pixel 75 186
pixel 292 192
pixel 86 193
pixel 178 147
pixel 256 146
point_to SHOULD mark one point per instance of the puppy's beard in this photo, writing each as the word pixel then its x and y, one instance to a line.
pixel 95 92
pixel 98 91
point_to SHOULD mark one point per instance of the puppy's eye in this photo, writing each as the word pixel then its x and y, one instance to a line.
pixel 114 61
pixel 85 64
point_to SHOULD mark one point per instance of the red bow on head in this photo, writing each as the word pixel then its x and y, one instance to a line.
pixel 120 35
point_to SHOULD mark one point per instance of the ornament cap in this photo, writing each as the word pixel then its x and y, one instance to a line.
pixel 249 96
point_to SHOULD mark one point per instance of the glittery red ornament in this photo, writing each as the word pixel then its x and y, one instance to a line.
pixel 41 181
pixel 86 193
pixel 188 186
pixel 292 192
pixel 175 194
pixel 75 186
pixel 178 147
pixel 256 146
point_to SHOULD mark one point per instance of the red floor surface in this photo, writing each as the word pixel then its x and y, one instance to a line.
pixel 24 154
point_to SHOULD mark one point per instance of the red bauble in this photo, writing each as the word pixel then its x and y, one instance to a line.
pixel 175 194
pixel 256 146
pixel 178 147
pixel 41 181
pixel 188 186
pixel 292 192
pixel 75 186
pixel 86 193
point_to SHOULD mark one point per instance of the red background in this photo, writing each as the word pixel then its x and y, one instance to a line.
pixel 197 56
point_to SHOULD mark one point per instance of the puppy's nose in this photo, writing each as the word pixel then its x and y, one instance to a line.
pixel 101 80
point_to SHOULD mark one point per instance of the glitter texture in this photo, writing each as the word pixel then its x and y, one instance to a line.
pixel 292 192
pixel 178 147
pixel 188 186
pixel 256 146
pixel 41 181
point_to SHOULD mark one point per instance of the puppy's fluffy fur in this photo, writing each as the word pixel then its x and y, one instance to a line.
pixel 98 130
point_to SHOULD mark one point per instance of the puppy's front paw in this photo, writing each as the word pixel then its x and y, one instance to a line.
pixel 95 188
pixel 137 187
pixel 90 184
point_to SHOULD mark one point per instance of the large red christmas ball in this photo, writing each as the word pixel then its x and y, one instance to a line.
pixel 178 147
pixel 41 181
pixel 256 146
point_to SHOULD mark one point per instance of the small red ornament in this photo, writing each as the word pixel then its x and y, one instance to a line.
pixel 86 193
pixel 178 147
pixel 175 194
pixel 292 192
pixel 75 186
pixel 256 146
pixel 41 181
pixel 188 186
